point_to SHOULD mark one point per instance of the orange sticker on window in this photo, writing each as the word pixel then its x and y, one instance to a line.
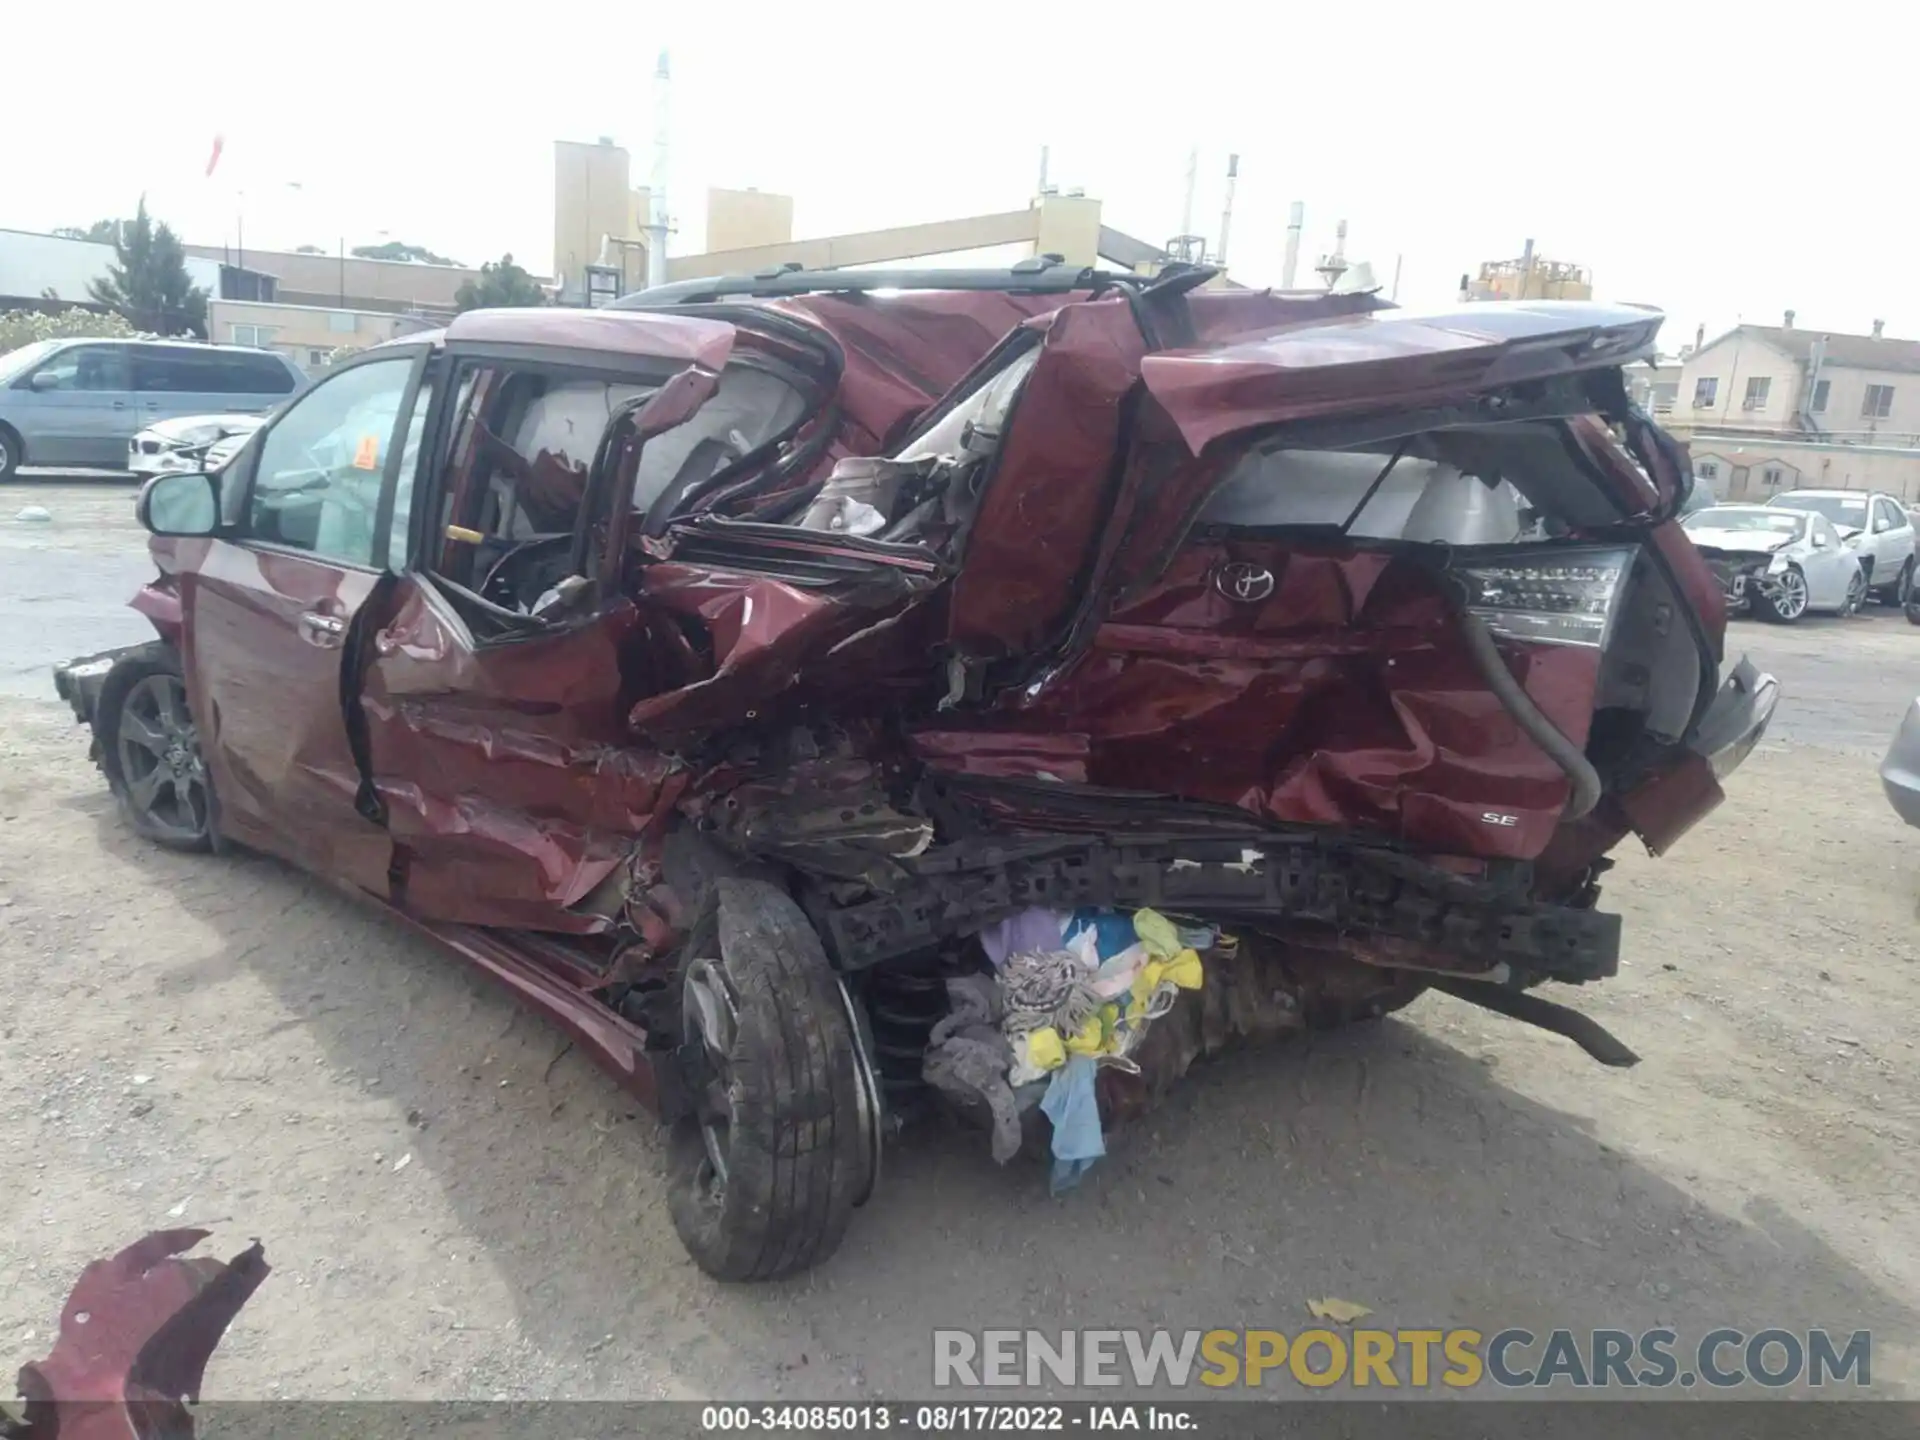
pixel 367 455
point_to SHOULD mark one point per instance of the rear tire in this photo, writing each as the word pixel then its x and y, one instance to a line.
pixel 1792 603
pixel 763 1178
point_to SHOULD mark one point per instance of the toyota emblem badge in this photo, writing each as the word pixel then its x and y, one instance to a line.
pixel 1243 582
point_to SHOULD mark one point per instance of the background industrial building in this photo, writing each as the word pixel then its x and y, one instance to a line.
pixel 1767 408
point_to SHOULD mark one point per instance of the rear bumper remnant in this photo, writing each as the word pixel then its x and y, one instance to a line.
pixel 1900 771
pixel 957 890
pixel 1737 719
pixel 1674 799
pixel 78 681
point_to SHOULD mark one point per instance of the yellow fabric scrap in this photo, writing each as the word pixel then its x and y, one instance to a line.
pixel 1341 1312
pixel 1044 1050
pixel 1182 971
pixel 1157 933
pixel 1089 1041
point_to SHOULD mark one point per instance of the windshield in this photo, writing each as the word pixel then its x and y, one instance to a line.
pixel 1848 510
pixel 1746 517
pixel 15 361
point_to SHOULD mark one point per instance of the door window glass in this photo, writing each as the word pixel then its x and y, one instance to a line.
pixel 84 367
pixel 176 372
pixel 405 488
pixel 316 484
pixel 257 375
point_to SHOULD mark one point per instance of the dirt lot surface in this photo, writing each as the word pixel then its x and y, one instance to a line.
pixel 457 1206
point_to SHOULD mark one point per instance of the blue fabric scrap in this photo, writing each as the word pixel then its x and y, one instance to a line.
pixel 1074 1109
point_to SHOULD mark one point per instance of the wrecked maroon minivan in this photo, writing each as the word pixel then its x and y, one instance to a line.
pixel 828 693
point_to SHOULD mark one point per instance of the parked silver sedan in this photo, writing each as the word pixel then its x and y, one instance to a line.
pixel 185 443
pixel 1778 564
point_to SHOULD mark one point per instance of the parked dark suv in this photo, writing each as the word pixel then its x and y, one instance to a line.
pixel 724 672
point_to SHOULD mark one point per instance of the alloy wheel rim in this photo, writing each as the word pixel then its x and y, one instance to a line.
pixel 160 760
pixel 708 1007
pixel 1793 594
pixel 1856 593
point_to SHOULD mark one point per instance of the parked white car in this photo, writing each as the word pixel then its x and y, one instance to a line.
pixel 1874 526
pixel 1778 563
pixel 183 443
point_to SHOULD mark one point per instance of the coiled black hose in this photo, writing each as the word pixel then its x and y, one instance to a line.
pixel 1527 715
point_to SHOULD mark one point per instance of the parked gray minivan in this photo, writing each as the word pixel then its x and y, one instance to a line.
pixel 78 402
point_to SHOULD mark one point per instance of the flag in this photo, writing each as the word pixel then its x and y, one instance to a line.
pixel 219 144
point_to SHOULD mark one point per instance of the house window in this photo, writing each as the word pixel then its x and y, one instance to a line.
pixel 260 336
pixel 1664 394
pixel 1757 388
pixel 316 357
pixel 1704 392
pixel 1878 404
pixel 1820 389
pixel 1709 470
pixel 1770 477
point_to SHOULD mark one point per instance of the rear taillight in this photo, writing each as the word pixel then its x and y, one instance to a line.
pixel 1559 597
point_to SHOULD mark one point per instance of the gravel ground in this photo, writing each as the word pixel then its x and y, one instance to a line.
pixel 458 1206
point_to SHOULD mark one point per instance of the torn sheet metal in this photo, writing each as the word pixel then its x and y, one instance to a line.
pixel 135 1337
pixel 1344 698
pixel 644 334
pixel 903 352
pixel 1389 359
pixel 1051 492
pixel 507 792
pixel 830 817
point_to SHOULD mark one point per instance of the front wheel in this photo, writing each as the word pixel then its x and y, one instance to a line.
pixel 150 750
pixel 10 451
pixel 1787 603
pixel 764 1175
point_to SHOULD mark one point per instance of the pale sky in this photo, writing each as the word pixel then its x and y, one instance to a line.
pixel 1720 161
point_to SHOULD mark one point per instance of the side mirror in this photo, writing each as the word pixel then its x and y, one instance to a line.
pixel 182 505
pixel 43 380
pixel 1819 541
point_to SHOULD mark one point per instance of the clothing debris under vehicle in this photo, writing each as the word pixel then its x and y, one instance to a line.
pixel 1068 994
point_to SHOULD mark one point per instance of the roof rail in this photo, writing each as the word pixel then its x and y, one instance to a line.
pixel 1042 275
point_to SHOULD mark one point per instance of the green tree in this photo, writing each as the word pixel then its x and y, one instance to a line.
pixel 148 285
pixel 101 232
pixel 501 283
pixel 396 250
